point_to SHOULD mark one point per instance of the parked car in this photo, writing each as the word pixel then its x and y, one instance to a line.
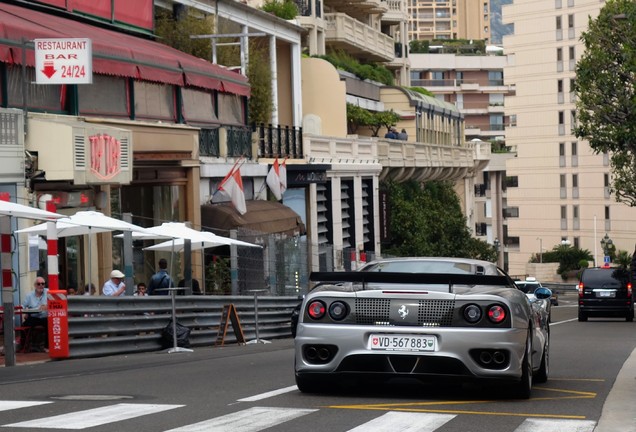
pixel 530 284
pixel 605 292
pixel 426 318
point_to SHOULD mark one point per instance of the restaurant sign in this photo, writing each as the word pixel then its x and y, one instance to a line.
pixel 105 156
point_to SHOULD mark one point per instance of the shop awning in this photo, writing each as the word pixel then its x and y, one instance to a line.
pixel 114 53
pixel 267 217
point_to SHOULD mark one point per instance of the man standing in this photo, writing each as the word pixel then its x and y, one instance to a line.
pixel 114 286
pixel 37 299
pixel 160 280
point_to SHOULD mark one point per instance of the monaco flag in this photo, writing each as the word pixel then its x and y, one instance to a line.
pixel 282 173
pixel 273 180
pixel 232 187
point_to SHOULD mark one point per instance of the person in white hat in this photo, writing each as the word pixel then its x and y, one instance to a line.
pixel 114 286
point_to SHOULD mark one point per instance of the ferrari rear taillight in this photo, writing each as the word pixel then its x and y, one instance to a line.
pixel 580 289
pixel 316 309
pixel 629 289
pixel 496 314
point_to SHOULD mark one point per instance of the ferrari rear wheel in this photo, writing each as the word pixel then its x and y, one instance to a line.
pixel 542 374
pixel 523 389
pixel 582 316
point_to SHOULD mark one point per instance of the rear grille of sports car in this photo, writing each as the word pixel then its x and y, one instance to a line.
pixel 431 313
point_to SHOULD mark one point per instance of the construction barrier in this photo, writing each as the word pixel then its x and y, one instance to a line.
pixel 102 326
pixel 58 323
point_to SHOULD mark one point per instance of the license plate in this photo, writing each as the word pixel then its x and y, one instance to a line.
pixel 607 293
pixel 398 342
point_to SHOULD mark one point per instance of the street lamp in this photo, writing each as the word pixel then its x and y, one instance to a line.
pixel 606 244
pixel 496 243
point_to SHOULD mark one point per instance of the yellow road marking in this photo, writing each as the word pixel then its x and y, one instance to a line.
pixel 418 406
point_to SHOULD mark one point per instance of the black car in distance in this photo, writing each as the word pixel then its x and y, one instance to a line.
pixel 606 292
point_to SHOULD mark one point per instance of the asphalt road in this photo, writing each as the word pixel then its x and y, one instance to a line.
pixel 251 388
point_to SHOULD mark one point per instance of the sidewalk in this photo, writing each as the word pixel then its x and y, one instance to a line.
pixel 618 413
pixel 23 358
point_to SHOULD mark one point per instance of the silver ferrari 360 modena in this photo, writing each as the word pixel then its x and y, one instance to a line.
pixel 427 318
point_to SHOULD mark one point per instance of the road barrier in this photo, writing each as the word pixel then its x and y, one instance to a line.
pixel 101 326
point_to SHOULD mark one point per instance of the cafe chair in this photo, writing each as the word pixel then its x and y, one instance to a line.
pixel 23 333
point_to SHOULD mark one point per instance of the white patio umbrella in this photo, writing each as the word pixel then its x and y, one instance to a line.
pixel 85 223
pixel 8 208
pixel 203 241
pixel 182 235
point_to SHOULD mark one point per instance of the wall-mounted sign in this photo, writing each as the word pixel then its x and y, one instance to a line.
pixel 63 61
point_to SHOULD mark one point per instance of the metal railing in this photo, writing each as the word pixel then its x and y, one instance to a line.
pixel 280 141
pixel 102 326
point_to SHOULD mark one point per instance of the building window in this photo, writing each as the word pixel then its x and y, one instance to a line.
pixel 198 106
pixel 46 98
pixel 511 212
pixel 561 154
pixel 575 185
pixel 559 55
pixel 564 217
pixel 154 101
pixel 512 181
pixel 559 30
pixel 575 218
pixel 572 90
pixel 573 118
pixel 607 212
pixel 571 31
pixel 608 222
pixel 572 57
pixel 560 97
pixel 495 78
pixel 107 96
pixel 575 154
pixel 606 185
pixel 563 186
pixel 577 242
pixel 561 116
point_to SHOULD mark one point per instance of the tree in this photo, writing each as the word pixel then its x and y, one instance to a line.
pixel 427 220
pixel 570 259
pixel 604 86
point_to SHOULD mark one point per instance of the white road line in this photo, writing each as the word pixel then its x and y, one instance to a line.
pixel 268 394
pixel 249 420
pixel 405 422
pixel 94 417
pixel 10 405
pixel 563 322
pixel 556 425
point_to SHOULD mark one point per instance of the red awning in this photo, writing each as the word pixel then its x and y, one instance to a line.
pixel 114 53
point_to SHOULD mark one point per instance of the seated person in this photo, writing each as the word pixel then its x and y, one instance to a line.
pixel 141 290
pixel 37 299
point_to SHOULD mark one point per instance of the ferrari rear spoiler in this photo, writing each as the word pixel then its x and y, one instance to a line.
pixel 449 279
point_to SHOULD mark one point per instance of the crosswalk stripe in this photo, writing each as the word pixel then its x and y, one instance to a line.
pixel 249 420
pixel 405 422
pixel 556 425
pixel 94 417
pixel 11 405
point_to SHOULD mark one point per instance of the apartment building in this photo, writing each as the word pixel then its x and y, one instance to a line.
pixel 453 19
pixel 562 187
pixel 475 85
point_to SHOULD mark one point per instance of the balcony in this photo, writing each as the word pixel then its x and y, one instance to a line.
pixel 396 13
pixel 405 160
pixel 360 8
pixel 358 39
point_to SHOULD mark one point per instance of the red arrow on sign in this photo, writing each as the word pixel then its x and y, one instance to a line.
pixel 49 69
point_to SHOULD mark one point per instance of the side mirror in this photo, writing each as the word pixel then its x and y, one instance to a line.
pixel 542 293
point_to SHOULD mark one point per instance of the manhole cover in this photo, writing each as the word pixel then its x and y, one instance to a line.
pixel 92 397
